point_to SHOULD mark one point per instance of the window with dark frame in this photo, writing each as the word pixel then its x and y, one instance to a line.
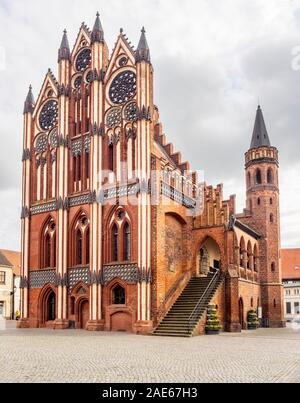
pixel 115 248
pixel 119 295
pixel 126 239
pixel 2 277
pixel 79 248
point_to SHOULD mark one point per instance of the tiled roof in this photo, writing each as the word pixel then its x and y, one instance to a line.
pixel 260 135
pixel 290 263
pixel 11 259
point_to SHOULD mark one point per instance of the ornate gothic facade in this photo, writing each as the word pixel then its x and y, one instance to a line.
pixel 114 224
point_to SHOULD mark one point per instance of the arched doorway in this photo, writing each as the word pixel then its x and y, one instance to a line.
pixel 84 313
pixel 47 306
pixel 51 307
pixel 209 257
pixel 241 313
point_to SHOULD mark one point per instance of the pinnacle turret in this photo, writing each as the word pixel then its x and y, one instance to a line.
pixel 97 33
pixel 29 102
pixel 64 50
pixel 143 52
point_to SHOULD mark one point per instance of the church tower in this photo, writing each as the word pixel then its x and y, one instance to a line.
pixel 263 207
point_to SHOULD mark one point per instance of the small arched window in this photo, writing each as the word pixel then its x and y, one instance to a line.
pixel 252 302
pixel 270 176
pixel 271 218
pixel 273 267
pixel 54 247
pixel 258 201
pixel 51 314
pixel 249 179
pixel 127 241
pixel 111 158
pixel 258 177
pixel 47 251
pixel 115 242
pixel 119 295
pixel 271 201
pixel 78 247
pixel 87 246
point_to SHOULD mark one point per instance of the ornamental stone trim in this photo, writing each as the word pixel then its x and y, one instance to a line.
pixel 75 275
pixel 125 272
pixel 43 208
pixel 26 155
pixel 39 278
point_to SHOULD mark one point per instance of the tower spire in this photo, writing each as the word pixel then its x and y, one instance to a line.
pixel 64 50
pixel 29 102
pixel 143 52
pixel 97 33
pixel 260 137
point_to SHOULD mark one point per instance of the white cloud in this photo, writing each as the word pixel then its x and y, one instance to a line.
pixel 212 60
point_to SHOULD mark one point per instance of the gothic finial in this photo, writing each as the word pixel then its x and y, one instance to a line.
pixel 143 51
pixel 98 33
pixel 29 102
pixel 64 50
pixel 121 31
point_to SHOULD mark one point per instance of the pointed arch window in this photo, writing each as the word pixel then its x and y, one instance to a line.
pixel 115 242
pixel 127 242
pixel 79 248
pixel 48 245
pixel 80 241
pixel 54 248
pixel 111 157
pixel 258 177
pixel 48 251
pixel 270 176
pixel 119 295
pixel 87 244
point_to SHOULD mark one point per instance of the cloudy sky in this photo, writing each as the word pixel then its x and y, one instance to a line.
pixel 213 60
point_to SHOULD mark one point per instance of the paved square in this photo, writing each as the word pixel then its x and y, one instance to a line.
pixel 267 355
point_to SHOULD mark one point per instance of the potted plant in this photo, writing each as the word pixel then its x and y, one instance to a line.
pixel 253 322
pixel 212 321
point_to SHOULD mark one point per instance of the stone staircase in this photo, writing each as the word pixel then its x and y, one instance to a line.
pixel 186 313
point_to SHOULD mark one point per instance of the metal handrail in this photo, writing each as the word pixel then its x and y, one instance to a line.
pixel 195 311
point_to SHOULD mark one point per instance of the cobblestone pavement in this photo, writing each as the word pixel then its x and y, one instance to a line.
pixel 33 355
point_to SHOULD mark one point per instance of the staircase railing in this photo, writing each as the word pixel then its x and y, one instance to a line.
pixel 195 312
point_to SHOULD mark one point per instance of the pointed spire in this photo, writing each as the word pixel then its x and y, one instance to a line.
pixel 98 33
pixel 143 52
pixel 64 50
pixel 29 102
pixel 260 137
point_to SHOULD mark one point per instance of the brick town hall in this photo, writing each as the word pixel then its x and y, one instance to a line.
pixel 117 234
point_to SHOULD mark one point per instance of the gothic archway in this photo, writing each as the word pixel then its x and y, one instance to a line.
pixel 209 257
pixel 84 312
pixel 47 306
